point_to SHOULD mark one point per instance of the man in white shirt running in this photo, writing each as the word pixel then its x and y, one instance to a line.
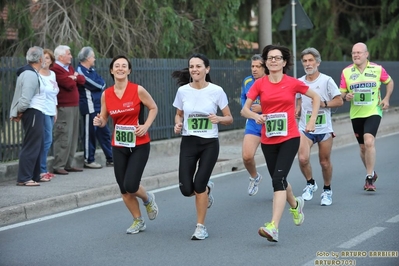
pixel 330 97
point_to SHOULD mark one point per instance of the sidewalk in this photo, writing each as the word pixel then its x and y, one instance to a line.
pixel 18 204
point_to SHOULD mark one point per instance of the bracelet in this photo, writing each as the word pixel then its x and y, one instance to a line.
pixel 325 102
pixel 344 98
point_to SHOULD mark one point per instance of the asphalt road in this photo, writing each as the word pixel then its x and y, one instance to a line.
pixel 357 224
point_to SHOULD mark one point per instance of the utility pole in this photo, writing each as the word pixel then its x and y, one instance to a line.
pixel 265 23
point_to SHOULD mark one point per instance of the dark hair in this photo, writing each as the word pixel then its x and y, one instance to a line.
pixel 284 51
pixel 113 61
pixel 183 76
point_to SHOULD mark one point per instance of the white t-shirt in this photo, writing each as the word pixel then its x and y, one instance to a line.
pixel 196 106
pixel 50 87
pixel 327 89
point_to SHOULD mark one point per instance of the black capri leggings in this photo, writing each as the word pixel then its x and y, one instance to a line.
pixel 129 164
pixel 192 150
pixel 279 159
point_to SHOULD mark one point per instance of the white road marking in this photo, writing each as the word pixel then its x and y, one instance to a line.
pixel 394 219
pixel 362 237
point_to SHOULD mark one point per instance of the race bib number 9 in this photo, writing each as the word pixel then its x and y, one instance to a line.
pixel 124 136
pixel 321 120
pixel 362 96
pixel 276 124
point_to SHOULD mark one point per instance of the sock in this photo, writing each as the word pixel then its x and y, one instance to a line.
pixel 311 181
pixel 327 187
pixel 148 201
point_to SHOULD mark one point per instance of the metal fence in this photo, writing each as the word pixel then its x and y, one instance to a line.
pixel 155 76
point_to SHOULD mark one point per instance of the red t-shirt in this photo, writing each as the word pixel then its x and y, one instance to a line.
pixel 278 103
pixel 127 111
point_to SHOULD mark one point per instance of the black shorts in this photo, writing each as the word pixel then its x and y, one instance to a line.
pixel 365 125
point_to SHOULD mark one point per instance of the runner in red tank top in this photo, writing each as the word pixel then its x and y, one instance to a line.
pixel 124 102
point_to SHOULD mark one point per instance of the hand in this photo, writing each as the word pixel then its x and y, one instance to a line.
pixel 141 130
pixel 260 119
pixel 214 118
pixel 384 104
pixel 297 113
pixel 310 127
pixel 178 127
pixel 349 97
pixel 97 121
pixel 256 108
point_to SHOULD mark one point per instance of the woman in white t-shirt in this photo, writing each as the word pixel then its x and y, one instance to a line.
pixel 197 101
pixel 50 87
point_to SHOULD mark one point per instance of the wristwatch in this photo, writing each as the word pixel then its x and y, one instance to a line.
pixel 325 102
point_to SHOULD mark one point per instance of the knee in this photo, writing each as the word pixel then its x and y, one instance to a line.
pixel 303 160
pixel 368 143
pixel 186 191
pixel 325 163
pixel 279 183
pixel 131 188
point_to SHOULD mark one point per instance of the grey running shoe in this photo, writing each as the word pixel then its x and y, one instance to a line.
pixel 326 198
pixel 137 226
pixel 269 231
pixel 151 207
pixel 210 186
pixel 297 213
pixel 200 233
pixel 308 191
pixel 253 185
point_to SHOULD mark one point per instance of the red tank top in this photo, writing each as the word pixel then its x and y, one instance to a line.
pixel 126 111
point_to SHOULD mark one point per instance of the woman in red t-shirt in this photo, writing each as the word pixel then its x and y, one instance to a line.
pixel 124 102
pixel 280 135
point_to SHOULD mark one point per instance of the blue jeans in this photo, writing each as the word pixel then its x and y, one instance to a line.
pixel 47 141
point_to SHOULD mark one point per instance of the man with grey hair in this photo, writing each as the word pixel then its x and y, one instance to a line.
pixel 330 97
pixel 66 127
pixel 251 139
pixel 90 105
pixel 27 106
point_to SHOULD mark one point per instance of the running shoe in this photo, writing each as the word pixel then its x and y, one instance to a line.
pixel 210 196
pixel 309 190
pixel 297 213
pixel 151 207
pixel 369 184
pixel 200 233
pixel 269 231
pixel 137 226
pixel 253 185
pixel 326 197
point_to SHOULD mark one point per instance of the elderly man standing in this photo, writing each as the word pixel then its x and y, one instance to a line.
pixel 27 106
pixel 66 128
pixel 90 105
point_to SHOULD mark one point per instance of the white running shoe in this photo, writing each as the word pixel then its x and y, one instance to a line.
pixel 151 207
pixel 210 185
pixel 137 226
pixel 326 198
pixel 253 185
pixel 309 190
pixel 200 233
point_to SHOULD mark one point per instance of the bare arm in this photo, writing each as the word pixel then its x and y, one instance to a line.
pixel 226 119
pixel 385 102
pixel 178 121
pixel 148 102
pixel 310 126
pixel 101 119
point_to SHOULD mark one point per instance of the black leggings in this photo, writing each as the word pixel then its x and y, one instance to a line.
pixel 192 150
pixel 279 159
pixel 129 164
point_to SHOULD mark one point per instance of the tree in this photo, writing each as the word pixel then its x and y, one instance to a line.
pixel 143 29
